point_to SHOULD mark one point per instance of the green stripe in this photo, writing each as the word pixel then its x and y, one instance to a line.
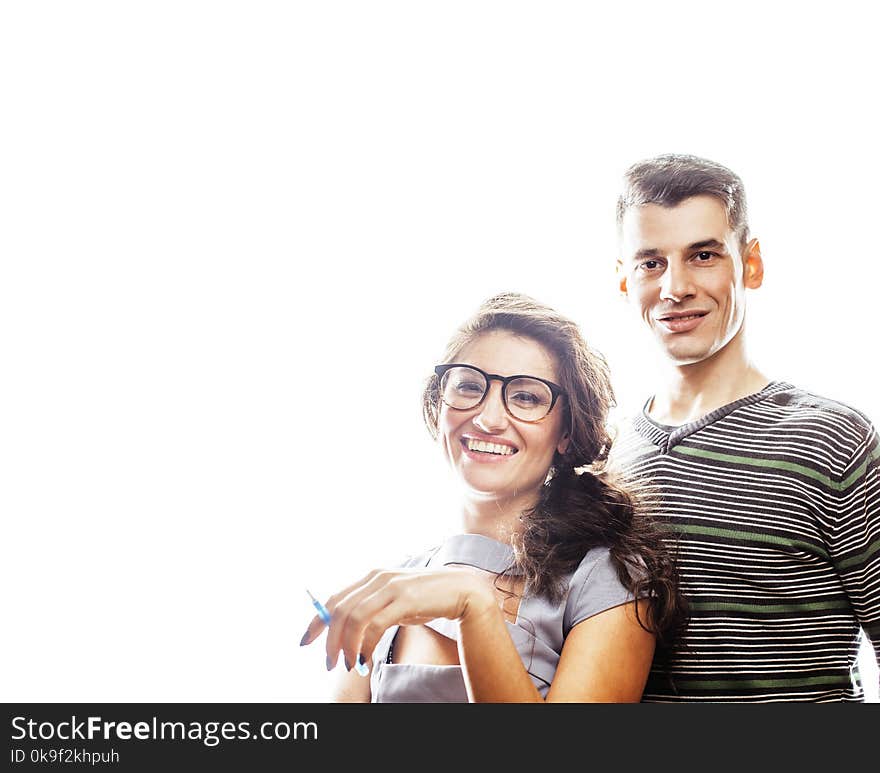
pixel 860 470
pixel 753 536
pixel 757 462
pixel 845 564
pixel 780 465
pixel 794 681
pixel 721 606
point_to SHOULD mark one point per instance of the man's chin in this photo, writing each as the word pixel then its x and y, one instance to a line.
pixel 683 356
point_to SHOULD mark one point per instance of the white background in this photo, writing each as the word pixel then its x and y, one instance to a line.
pixel 236 235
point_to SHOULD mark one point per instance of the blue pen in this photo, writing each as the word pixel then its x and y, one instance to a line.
pixel 362 668
pixel 322 610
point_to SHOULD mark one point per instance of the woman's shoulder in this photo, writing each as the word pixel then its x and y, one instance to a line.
pixel 594 587
pixel 594 556
pixel 597 561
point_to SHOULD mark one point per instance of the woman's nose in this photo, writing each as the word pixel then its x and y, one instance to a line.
pixel 492 415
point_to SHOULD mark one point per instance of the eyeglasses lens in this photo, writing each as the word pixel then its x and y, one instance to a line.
pixel 526 399
pixel 462 388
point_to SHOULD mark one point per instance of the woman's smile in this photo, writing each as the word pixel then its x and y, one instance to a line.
pixel 487 449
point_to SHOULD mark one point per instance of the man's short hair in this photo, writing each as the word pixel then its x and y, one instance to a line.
pixel 669 179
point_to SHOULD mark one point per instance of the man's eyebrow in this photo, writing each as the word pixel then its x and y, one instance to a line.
pixel 648 252
pixel 713 243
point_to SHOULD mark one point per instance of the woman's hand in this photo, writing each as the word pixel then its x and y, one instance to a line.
pixel 362 612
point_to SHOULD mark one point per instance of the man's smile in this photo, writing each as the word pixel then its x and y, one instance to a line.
pixel 681 321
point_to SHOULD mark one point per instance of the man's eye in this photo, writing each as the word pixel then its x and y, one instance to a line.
pixel 650 265
pixel 705 255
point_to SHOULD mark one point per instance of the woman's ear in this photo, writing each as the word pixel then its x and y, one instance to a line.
pixel 562 445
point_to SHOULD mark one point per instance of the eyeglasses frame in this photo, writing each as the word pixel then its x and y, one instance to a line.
pixel 556 391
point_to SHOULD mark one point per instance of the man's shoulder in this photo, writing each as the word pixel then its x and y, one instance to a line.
pixel 795 404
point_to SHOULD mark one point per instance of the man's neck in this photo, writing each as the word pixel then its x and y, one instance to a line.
pixel 692 391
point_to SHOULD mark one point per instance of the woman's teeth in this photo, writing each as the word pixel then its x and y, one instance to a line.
pixel 489 448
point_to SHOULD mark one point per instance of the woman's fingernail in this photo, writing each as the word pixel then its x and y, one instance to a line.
pixel 330 664
pixel 361 666
pixel 347 664
pixel 304 640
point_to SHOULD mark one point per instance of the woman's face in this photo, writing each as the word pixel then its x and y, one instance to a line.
pixel 519 454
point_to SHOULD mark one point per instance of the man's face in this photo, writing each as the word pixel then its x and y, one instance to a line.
pixel 681 268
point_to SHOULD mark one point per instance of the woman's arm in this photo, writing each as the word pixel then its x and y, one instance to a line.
pixel 605 659
pixel 351 687
pixel 491 665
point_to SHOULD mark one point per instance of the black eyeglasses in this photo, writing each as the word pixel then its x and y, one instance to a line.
pixel 526 398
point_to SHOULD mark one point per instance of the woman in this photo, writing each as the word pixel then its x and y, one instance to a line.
pixel 553 591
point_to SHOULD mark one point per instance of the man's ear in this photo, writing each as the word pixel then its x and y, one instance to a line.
pixel 753 265
pixel 621 278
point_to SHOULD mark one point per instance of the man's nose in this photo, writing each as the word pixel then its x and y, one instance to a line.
pixel 676 283
pixel 492 416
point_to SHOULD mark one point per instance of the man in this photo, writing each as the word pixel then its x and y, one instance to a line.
pixel 771 494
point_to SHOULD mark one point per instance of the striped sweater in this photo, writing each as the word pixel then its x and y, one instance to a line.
pixel 772 504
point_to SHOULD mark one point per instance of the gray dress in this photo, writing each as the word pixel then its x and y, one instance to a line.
pixel 538 633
